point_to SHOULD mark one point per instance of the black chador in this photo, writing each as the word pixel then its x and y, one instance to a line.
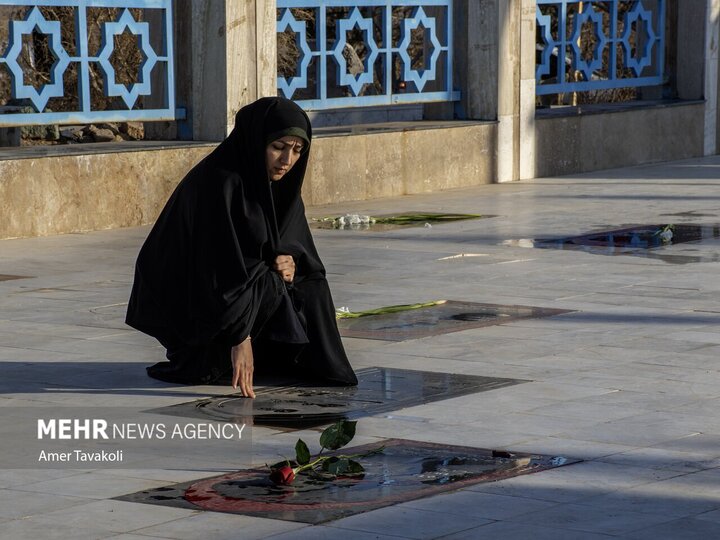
pixel 203 278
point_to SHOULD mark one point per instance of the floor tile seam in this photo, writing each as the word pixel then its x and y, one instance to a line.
pixel 489 522
pixel 50 335
pixel 708 512
pixel 593 503
pixel 610 376
pixel 41 512
pixel 613 389
pixel 78 341
pixel 596 458
pixel 588 525
pixel 112 532
pixel 331 525
pixel 74 528
pixel 445 511
pixel 160 483
pixel 559 416
pixel 306 527
pixel 198 512
pixel 68 477
pixel 543 527
pixel 79 498
pixel 479 489
pixel 629 443
pixel 115 535
pixel 88 499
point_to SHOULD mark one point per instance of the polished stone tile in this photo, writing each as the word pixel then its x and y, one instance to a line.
pixel 20 504
pixel 319 532
pixel 647 499
pixel 407 523
pixel 479 505
pixel 113 516
pixel 90 485
pixel 679 529
pixel 628 381
pixel 213 526
pixel 594 519
pixel 41 530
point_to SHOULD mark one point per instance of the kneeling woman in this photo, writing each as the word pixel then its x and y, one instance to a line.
pixel 229 278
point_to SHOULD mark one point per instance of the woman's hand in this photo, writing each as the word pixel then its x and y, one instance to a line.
pixel 285 266
pixel 241 357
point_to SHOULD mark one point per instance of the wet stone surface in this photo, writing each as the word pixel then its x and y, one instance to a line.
pixel 297 407
pixel 405 470
pixel 650 241
pixel 386 222
pixel 452 316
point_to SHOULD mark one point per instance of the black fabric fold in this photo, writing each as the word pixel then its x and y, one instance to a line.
pixel 204 274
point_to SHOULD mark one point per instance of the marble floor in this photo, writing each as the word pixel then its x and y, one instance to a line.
pixel 627 379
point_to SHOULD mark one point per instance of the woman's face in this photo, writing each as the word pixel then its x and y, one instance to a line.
pixel 281 155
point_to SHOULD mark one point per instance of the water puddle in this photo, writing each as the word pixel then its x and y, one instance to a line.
pixel 404 471
pixel 379 390
pixel 451 316
pixel 672 243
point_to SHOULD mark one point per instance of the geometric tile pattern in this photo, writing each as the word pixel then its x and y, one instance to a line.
pixel 141 29
pixel 377 84
pixel 35 22
pixel 638 32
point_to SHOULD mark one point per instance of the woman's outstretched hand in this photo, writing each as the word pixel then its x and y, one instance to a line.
pixel 242 363
pixel 285 266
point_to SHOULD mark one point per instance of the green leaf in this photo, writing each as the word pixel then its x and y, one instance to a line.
pixel 386 309
pixel 354 468
pixel 414 218
pixel 321 476
pixel 339 467
pixel 302 454
pixel 327 462
pixel 338 435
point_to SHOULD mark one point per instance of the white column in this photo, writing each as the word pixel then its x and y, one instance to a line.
pixel 527 90
pixel 476 57
pixel 508 90
pixel 231 54
pixel 712 34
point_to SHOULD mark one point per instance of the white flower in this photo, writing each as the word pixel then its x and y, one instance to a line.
pixel 666 236
pixel 343 309
pixel 428 226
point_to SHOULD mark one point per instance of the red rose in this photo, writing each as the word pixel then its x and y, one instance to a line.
pixel 282 476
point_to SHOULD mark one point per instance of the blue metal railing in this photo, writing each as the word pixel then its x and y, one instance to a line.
pixel 638 35
pixel 129 93
pixel 382 82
